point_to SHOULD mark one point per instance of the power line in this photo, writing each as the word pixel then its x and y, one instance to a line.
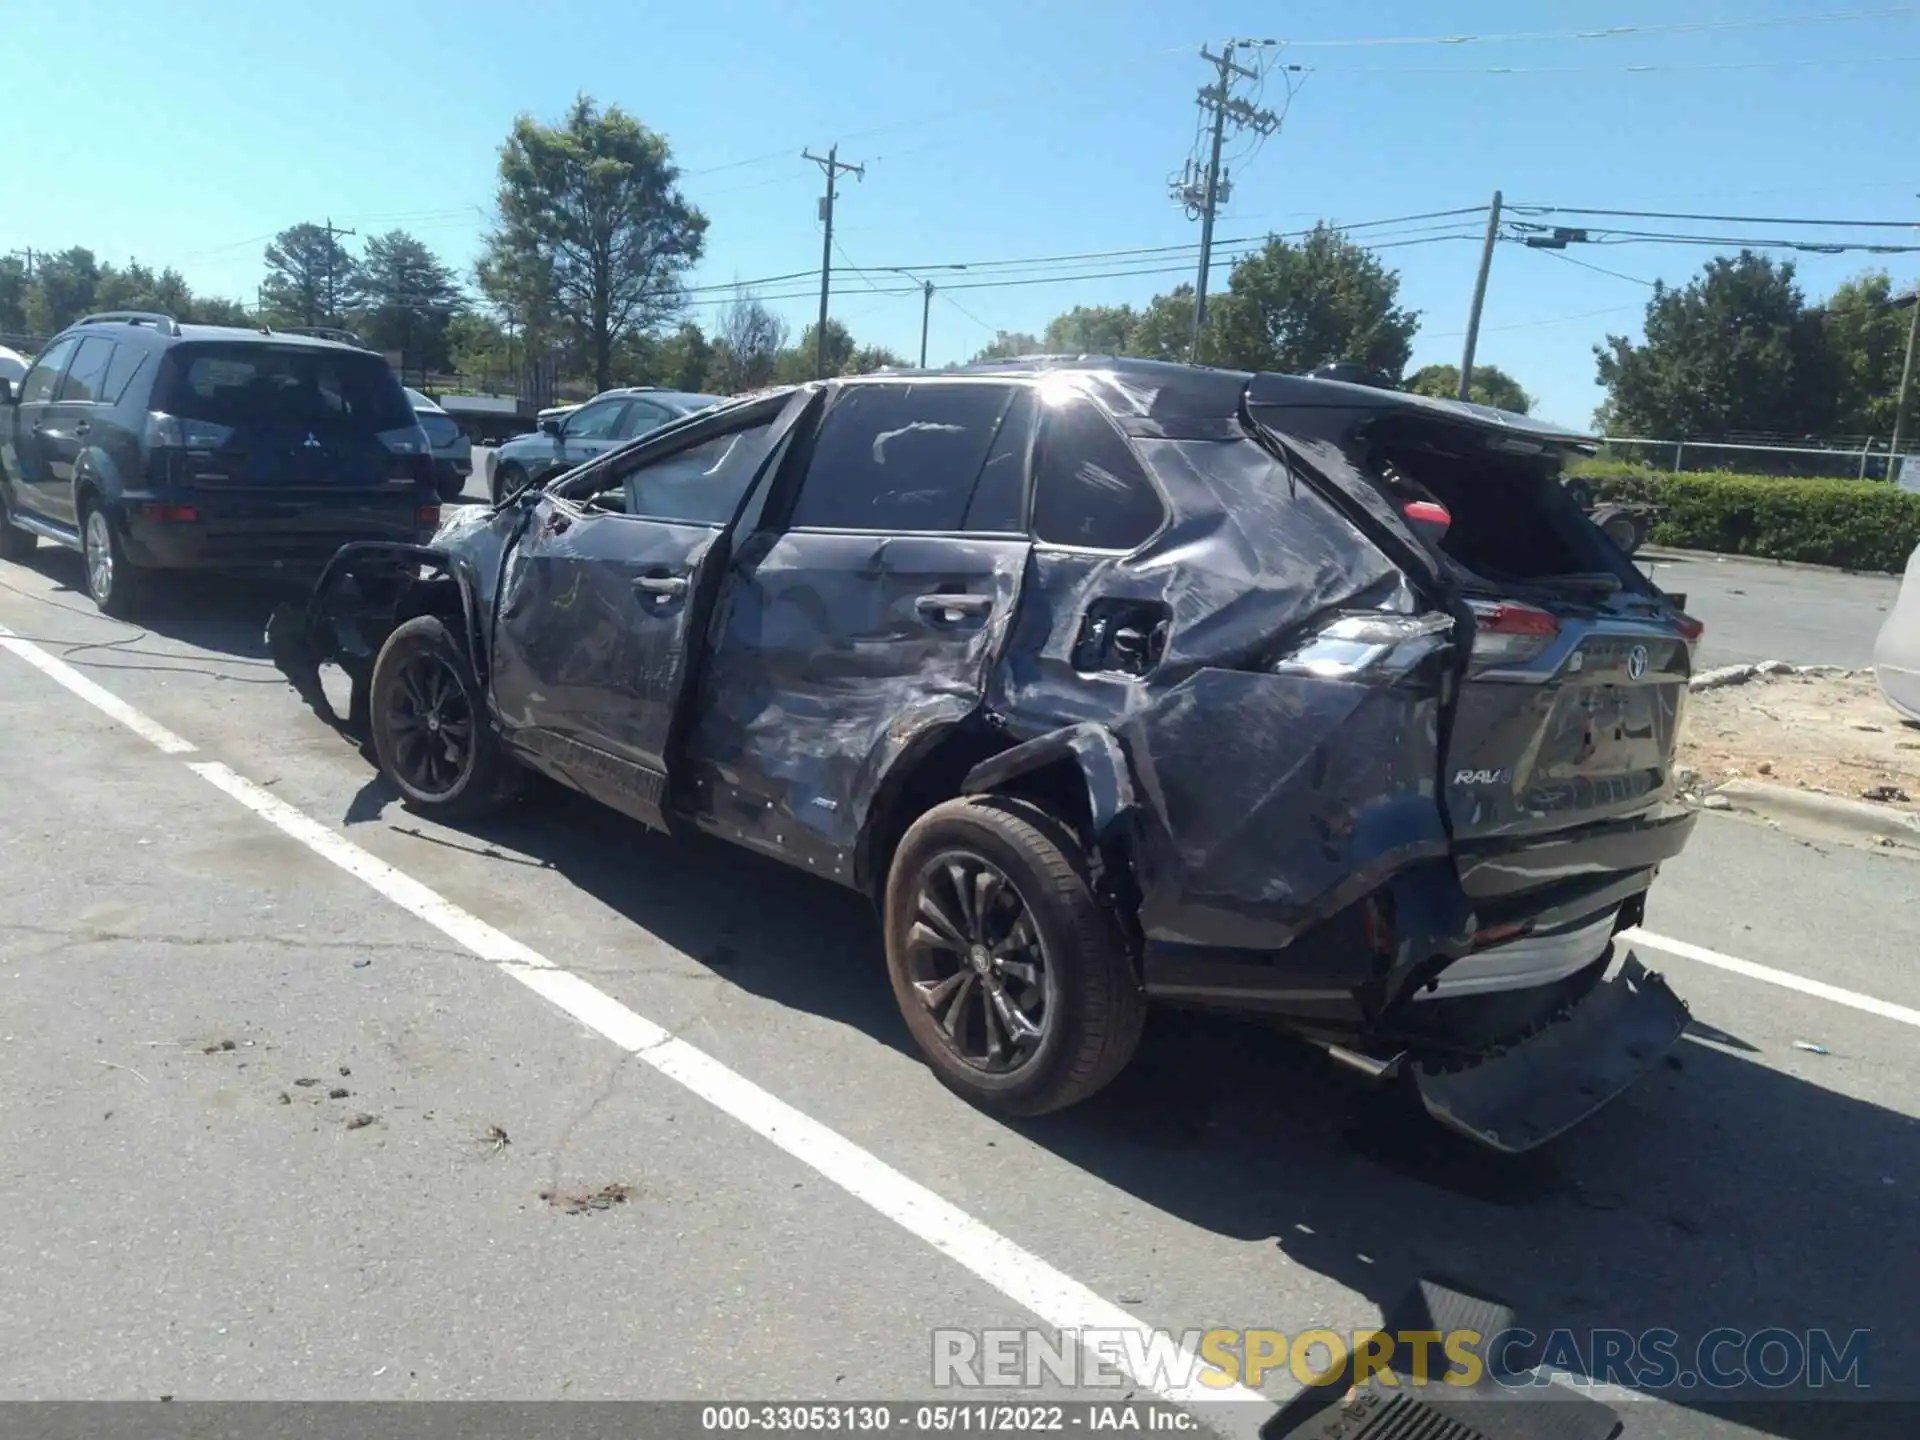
pixel 1588 265
pixel 1716 219
pixel 1609 32
pixel 1816 63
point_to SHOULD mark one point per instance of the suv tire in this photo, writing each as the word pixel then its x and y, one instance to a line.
pixel 428 718
pixel 960 967
pixel 117 586
pixel 450 484
pixel 14 544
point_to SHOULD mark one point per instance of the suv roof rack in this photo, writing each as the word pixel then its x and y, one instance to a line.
pixel 165 324
pixel 322 332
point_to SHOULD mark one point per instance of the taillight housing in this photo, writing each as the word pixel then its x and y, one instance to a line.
pixel 428 517
pixel 1506 632
pixel 1356 643
pixel 407 440
pixel 1690 629
pixel 176 432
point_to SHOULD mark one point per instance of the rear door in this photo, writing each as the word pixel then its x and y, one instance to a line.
pixel 604 603
pixel 864 613
pixel 69 423
pixel 590 432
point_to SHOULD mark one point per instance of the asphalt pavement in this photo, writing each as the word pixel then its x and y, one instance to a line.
pixel 641 1120
pixel 1757 610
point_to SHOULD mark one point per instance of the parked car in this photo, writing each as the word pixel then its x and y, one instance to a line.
pixel 1111 682
pixel 13 365
pixel 452 450
pixel 1896 651
pixel 602 424
pixel 149 445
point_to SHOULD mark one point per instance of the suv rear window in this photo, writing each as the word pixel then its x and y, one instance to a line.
pixel 242 385
pixel 1089 490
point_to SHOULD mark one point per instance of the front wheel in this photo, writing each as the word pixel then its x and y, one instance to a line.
pixel 507 478
pixel 1010 973
pixel 430 727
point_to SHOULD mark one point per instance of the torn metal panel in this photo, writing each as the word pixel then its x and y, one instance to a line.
pixel 1093 748
pixel 831 656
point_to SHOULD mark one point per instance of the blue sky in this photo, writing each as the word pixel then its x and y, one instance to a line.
pixel 187 134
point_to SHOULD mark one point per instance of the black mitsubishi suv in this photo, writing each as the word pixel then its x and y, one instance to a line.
pixel 149 445
pixel 1112 682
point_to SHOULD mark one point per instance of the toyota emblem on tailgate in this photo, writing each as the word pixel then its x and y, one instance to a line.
pixel 1637 662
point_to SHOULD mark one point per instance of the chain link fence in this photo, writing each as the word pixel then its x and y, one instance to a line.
pixel 1846 457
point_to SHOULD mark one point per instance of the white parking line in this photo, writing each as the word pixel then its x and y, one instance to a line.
pixel 1055 1297
pixel 1819 989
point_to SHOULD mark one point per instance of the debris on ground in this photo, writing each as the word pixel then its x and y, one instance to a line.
pixel 216 1047
pixel 359 1122
pixel 1804 728
pixel 338 1092
pixel 344 1072
pixel 1717 802
pixel 586 1201
pixel 285 1099
pixel 496 1136
pixel 306 1082
pixel 1811 1048
pixel 362 963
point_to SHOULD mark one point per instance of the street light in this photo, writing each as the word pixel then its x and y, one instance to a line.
pixel 926 300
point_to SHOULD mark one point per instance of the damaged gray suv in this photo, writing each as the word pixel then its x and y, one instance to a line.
pixel 1112 682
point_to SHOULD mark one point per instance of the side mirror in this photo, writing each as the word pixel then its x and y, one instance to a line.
pixel 551 426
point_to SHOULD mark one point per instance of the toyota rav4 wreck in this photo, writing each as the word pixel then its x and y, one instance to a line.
pixel 1111 682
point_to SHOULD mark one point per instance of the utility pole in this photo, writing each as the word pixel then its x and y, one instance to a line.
pixel 926 312
pixel 833 167
pixel 331 232
pixel 1207 191
pixel 1479 298
pixel 28 255
pixel 1906 384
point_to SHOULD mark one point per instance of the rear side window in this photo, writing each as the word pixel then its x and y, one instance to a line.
pixel 242 385
pixel 38 385
pixel 127 362
pixel 1089 488
pixel 86 376
pixel 900 457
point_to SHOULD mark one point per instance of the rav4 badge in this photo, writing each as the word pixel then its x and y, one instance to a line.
pixel 1482 777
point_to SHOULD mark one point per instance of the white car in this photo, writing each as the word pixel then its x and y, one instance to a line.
pixel 452 450
pixel 1896 654
pixel 13 366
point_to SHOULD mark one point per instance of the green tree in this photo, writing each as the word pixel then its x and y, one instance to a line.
pixel 13 296
pixel 215 310
pixel 869 358
pixel 1007 344
pixel 1734 349
pixel 687 360
pixel 1164 328
pixel 65 287
pixel 1491 386
pixel 1866 335
pixel 408 299
pixel 1293 307
pixel 797 364
pixel 311 277
pixel 1091 330
pixel 592 224
pixel 477 345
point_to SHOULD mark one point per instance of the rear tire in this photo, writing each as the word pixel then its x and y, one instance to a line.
pixel 117 586
pixel 15 544
pixel 452 485
pixel 991 915
pixel 429 724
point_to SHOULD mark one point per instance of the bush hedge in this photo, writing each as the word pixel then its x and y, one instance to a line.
pixel 1855 524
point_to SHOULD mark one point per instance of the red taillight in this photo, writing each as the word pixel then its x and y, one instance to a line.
pixel 429 517
pixel 1507 618
pixel 170 514
pixel 1427 512
pixel 1689 627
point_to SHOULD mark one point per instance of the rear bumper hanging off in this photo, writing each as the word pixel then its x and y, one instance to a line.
pixel 1549 1082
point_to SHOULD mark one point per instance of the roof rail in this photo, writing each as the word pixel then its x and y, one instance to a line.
pixel 165 324
pixel 323 332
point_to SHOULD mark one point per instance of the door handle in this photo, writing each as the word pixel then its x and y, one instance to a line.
pixel 661 587
pixel 951 607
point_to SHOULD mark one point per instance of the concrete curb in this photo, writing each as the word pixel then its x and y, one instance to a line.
pixel 1831 814
pixel 1669 552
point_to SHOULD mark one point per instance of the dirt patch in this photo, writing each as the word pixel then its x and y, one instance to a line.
pixel 585 1202
pixel 1834 734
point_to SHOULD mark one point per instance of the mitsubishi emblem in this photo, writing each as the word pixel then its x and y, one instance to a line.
pixel 311 443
